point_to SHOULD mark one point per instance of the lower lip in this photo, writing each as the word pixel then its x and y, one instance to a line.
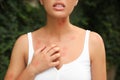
pixel 58 8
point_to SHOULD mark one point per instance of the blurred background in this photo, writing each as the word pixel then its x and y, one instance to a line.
pixel 22 16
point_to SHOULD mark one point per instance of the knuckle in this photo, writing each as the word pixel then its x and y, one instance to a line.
pixel 57 55
pixel 56 49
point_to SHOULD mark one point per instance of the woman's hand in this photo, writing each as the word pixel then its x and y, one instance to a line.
pixel 45 58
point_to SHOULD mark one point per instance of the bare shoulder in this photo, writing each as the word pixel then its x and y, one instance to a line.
pixel 96 39
pixel 20 49
pixel 22 43
pixel 22 39
pixel 96 45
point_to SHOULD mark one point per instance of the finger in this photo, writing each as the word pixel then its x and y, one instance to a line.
pixel 41 49
pixel 55 56
pixel 55 63
pixel 53 51
pixel 48 48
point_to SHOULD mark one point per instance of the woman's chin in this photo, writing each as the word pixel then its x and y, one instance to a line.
pixel 59 15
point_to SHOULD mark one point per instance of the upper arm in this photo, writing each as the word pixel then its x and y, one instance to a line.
pixel 17 62
pixel 98 58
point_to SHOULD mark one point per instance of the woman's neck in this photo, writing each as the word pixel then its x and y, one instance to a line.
pixel 58 27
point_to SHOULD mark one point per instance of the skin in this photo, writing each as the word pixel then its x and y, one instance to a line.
pixel 54 50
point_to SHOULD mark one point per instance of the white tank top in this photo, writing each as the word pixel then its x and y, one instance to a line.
pixel 79 69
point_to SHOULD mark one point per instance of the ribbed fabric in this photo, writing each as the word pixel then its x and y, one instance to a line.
pixel 78 69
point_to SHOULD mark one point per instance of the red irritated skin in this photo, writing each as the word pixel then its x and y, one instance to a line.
pixel 59 8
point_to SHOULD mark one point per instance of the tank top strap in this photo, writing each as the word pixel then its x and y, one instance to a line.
pixel 85 55
pixel 86 43
pixel 31 50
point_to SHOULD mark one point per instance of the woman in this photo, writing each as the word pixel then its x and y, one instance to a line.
pixel 59 50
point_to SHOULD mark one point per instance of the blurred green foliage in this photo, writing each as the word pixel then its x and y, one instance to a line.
pixel 18 17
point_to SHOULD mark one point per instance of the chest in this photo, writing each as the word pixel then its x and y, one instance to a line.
pixel 69 49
